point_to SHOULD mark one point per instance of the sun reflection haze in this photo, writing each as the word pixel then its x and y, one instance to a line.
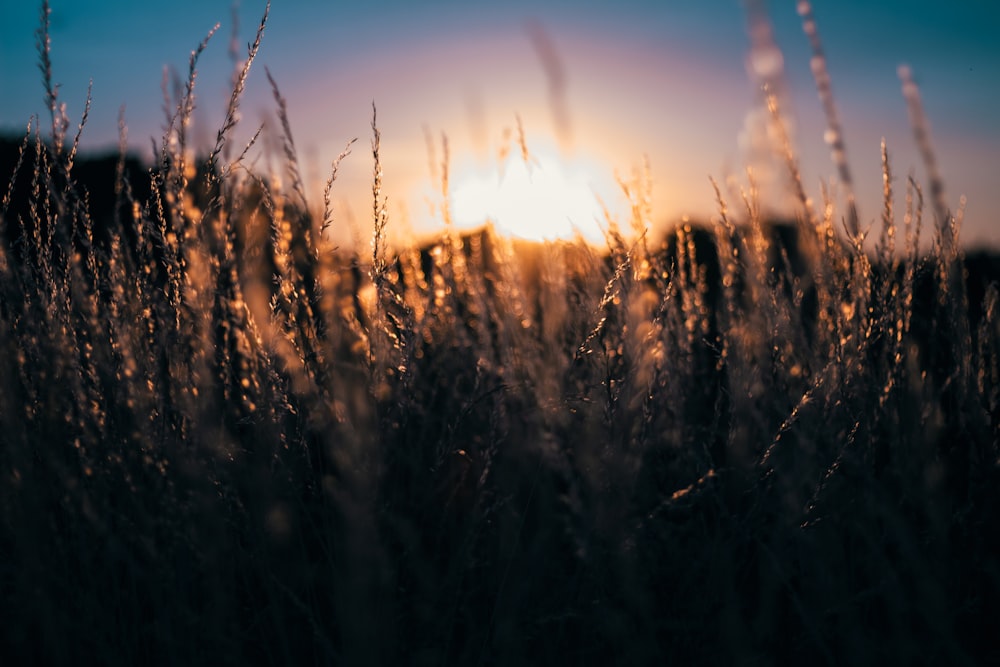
pixel 542 198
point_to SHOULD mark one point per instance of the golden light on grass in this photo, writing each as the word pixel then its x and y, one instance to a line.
pixel 227 437
pixel 542 198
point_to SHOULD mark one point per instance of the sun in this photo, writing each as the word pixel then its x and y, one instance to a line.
pixel 542 198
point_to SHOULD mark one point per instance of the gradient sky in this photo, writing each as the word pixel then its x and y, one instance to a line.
pixel 665 79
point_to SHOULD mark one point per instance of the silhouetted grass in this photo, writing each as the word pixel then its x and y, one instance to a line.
pixel 223 441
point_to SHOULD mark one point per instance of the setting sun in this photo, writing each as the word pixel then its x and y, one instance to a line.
pixel 542 198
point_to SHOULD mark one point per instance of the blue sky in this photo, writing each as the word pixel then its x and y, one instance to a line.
pixel 663 79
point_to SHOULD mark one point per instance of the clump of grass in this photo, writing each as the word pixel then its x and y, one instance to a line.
pixel 223 440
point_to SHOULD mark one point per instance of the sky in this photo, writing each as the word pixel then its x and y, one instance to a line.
pixel 597 88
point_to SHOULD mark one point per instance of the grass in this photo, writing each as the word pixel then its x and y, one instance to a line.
pixel 223 441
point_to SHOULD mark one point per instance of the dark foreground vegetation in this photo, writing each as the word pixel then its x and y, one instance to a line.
pixel 224 442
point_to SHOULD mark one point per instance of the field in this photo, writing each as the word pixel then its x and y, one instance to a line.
pixel 224 441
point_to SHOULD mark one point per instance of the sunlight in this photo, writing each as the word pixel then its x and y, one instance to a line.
pixel 541 199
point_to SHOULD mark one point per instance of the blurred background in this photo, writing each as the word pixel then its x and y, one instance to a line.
pixel 596 87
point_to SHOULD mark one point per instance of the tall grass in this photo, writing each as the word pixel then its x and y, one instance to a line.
pixel 224 441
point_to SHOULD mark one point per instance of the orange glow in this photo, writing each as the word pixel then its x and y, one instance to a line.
pixel 545 197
